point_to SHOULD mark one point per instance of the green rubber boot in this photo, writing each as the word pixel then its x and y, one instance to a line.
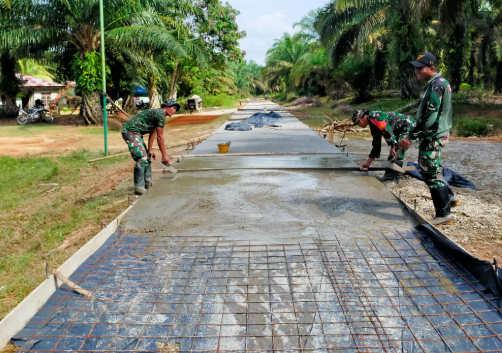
pixel 139 181
pixel 148 177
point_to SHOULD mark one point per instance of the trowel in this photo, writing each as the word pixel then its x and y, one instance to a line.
pixel 392 165
pixel 169 167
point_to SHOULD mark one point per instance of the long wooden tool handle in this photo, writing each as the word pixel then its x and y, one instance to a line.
pixel 70 284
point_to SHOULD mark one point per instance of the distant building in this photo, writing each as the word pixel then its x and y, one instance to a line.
pixel 36 88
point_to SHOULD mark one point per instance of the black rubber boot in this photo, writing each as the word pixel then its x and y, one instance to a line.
pixel 148 177
pixel 392 175
pixel 441 200
pixel 387 176
pixel 139 181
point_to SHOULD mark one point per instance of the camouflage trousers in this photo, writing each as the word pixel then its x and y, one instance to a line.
pixel 429 157
pixel 137 147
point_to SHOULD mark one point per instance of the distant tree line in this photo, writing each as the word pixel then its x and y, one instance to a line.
pixel 367 45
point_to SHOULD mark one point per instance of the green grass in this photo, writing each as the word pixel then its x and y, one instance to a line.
pixel 482 126
pixel 28 129
pixel 20 176
pixel 220 100
pixel 385 104
pixel 33 223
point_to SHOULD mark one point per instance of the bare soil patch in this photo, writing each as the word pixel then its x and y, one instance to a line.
pixel 191 120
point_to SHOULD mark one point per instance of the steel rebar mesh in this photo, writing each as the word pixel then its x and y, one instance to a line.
pixel 380 293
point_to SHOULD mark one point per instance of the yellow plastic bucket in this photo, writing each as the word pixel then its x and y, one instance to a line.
pixel 223 148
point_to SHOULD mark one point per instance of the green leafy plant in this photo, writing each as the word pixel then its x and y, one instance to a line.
pixel 87 68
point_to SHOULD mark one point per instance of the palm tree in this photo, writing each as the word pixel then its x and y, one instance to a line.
pixel 31 67
pixel 345 25
pixel 488 48
pixel 281 60
pixel 247 77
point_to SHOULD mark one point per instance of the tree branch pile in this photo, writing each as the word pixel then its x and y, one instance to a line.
pixel 340 126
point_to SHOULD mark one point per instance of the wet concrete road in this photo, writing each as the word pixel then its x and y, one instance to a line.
pixel 244 260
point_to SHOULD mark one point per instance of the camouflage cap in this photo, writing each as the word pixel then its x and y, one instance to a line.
pixel 171 103
pixel 358 115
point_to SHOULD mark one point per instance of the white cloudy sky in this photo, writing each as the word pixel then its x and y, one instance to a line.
pixel 266 20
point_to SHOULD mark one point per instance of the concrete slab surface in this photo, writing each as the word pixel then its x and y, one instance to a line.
pixel 272 206
pixel 303 162
pixel 268 261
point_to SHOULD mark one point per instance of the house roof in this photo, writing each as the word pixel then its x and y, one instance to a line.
pixel 38 82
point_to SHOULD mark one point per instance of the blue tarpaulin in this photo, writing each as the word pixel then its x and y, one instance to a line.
pixel 140 91
pixel 453 178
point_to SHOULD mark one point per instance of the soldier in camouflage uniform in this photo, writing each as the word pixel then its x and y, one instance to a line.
pixel 434 120
pixel 393 127
pixel 147 122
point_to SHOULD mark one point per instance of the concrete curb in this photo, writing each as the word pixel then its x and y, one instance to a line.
pixel 22 313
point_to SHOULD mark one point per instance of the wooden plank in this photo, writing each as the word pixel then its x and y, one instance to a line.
pixel 259 154
pixel 156 148
pixel 70 284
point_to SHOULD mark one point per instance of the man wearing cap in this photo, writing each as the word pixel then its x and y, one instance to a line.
pixel 433 124
pixel 147 122
pixel 393 127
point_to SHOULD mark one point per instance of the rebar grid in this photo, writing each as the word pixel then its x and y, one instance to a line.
pixel 371 293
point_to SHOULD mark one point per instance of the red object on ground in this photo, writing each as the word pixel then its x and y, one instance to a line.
pixel 191 119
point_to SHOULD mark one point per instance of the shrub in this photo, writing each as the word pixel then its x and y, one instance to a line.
pixel 359 74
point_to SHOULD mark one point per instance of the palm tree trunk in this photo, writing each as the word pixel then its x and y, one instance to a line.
pixel 409 85
pixel 10 85
pixel 10 108
pixel 174 80
pixel 129 106
pixel 498 78
pixel 91 109
pixel 153 93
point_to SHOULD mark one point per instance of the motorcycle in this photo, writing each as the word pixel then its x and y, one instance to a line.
pixel 31 115
pixel 140 105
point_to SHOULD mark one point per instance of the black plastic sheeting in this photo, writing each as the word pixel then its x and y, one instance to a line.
pixel 453 178
pixel 487 273
pixel 401 292
pixel 238 127
pixel 259 120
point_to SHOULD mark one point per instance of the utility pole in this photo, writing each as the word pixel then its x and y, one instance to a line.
pixel 103 73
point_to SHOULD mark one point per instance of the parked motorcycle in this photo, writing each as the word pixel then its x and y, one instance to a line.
pixel 140 105
pixel 31 115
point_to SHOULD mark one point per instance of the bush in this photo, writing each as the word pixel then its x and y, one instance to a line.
pixel 219 100
pixel 465 127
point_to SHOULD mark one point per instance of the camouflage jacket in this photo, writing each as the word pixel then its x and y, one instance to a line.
pixel 146 121
pixel 434 116
pixel 392 126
